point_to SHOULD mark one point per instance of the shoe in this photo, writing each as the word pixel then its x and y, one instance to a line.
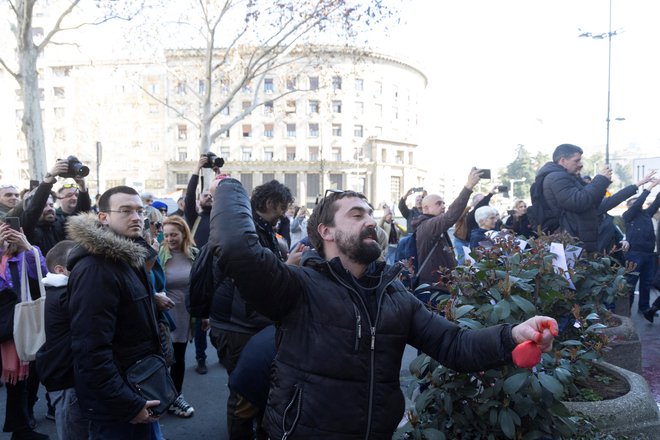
pixel 181 408
pixel 201 366
pixel 649 314
pixel 28 434
pixel 50 415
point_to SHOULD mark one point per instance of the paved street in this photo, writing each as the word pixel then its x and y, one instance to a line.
pixel 208 393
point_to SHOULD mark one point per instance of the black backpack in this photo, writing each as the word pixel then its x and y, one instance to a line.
pixel 539 213
pixel 202 283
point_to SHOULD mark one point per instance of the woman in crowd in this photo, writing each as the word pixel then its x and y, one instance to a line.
pixel 14 252
pixel 177 254
pixel 518 222
pixel 486 218
pixel 393 231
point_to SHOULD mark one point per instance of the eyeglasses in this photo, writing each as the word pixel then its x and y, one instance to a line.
pixel 158 225
pixel 125 212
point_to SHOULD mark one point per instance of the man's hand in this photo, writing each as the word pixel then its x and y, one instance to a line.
pixel 203 160
pixel 408 193
pixel 606 171
pixel 145 416
pixel 60 167
pixel 646 179
pixel 296 255
pixel 539 329
pixel 205 324
pixel 473 178
pixel 14 237
pixel 162 301
pixel 82 185
pixel 624 245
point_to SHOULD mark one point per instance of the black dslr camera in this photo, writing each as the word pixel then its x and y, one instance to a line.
pixel 76 169
pixel 213 161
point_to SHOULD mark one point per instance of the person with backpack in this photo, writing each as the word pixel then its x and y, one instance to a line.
pixel 54 359
pixel 564 201
pixel 431 230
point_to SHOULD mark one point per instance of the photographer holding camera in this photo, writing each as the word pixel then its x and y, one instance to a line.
pixel 42 224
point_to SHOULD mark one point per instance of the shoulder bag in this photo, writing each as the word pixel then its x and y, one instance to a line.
pixel 29 324
pixel 150 378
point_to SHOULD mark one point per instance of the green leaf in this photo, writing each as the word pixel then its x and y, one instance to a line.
pixel 571 343
pixel 497 296
pixel 513 383
pixel 502 309
pixel 462 310
pixel 525 305
pixel 433 434
pixel 551 384
pixel 506 423
pixel 597 326
pixel 469 323
pixel 593 317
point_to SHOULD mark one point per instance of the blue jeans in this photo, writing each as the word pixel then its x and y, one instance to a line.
pixel 200 340
pixel 645 269
pixel 458 250
pixel 119 430
pixel 70 422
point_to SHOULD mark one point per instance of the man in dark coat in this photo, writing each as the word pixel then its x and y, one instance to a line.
pixel 571 200
pixel 113 322
pixel 411 214
pixel 344 321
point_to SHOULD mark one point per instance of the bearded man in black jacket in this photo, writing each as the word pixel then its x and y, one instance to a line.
pixel 344 321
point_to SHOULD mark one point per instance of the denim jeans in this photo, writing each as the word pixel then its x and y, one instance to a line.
pixel 119 430
pixel 70 421
pixel 200 340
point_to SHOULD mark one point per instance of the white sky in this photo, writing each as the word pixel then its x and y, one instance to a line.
pixel 510 72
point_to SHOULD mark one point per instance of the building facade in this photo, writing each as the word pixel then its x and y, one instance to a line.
pixel 344 121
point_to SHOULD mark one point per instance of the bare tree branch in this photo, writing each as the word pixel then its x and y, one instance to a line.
pixel 56 26
pixel 16 76
pixel 168 105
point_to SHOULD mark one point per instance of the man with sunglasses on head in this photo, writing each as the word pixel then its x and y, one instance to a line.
pixel 344 321
pixel 113 322
pixel 73 199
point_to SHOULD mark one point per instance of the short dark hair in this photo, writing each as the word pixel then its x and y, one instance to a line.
pixel 272 192
pixel 104 201
pixel 58 254
pixel 324 213
pixel 565 151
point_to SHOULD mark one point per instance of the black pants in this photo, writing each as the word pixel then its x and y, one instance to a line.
pixel 16 410
pixel 178 369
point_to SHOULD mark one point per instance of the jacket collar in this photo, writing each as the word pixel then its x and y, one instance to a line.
pixel 93 238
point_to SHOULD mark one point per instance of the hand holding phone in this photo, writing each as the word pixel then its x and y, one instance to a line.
pixel 14 223
pixel 484 173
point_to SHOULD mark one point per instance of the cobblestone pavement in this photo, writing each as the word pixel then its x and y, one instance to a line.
pixel 649 334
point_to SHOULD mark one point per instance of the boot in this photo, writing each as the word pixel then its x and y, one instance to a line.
pixel 201 366
pixel 650 314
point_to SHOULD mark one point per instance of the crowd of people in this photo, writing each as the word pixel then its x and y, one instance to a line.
pixel 305 310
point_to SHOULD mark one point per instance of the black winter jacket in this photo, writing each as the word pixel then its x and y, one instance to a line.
pixel 639 224
pixel 113 322
pixel 336 373
pixel 608 233
pixel 574 202
pixel 201 231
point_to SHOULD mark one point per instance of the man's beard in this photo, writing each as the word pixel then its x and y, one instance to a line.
pixel 356 249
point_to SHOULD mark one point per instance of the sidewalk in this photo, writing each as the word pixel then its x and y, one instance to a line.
pixel 649 334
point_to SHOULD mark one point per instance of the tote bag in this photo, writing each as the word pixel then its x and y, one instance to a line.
pixel 29 325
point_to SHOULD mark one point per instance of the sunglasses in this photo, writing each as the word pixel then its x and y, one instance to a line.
pixel 70 185
pixel 5 186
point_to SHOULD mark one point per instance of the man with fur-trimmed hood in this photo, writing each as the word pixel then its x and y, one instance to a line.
pixel 113 323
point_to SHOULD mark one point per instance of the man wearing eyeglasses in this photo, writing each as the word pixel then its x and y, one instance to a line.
pixel 113 324
pixel 344 321
pixel 9 197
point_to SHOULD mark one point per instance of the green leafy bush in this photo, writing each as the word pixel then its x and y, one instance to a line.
pixel 507 285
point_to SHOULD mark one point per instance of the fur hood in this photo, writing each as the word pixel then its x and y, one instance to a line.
pixel 95 239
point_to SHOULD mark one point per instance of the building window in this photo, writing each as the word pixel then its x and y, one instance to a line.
pixel 313 153
pixel 396 112
pixel 336 106
pixel 399 157
pixel 267 177
pixel 313 129
pixel 336 181
pixel 181 88
pixel 245 105
pixel 246 180
pixel 268 108
pixel 154 147
pixel 268 130
pixel 395 187
pixel 247 87
pixel 290 153
pixel 268 86
pixel 313 106
pixel 313 185
pixel 58 112
pixel 291 182
pixel 154 183
pixel 181 178
pixel 247 130
pixel 224 153
pixel 359 84
pixel 224 86
pixel 359 107
pixel 153 88
pixel 336 154
pixel 378 89
pixel 291 130
pixel 246 153
pixel 291 83
pixel 61 70
pixel 336 83
pixel 383 155
pixel 313 82
pixel 182 132
pixel 410 158
pixel 58 92
pixel 290 106
pixel 201 86
pixel 379 131
pixel 336 129
pixel 121 182
pixel 379 110
pixel 225 110
pixel 396 92
pixel 268 156
pixel 182 154
pixel 358 131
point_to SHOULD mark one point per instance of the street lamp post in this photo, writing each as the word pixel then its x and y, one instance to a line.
pixel 610 33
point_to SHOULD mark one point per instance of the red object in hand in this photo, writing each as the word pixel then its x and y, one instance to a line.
pixel 526 355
